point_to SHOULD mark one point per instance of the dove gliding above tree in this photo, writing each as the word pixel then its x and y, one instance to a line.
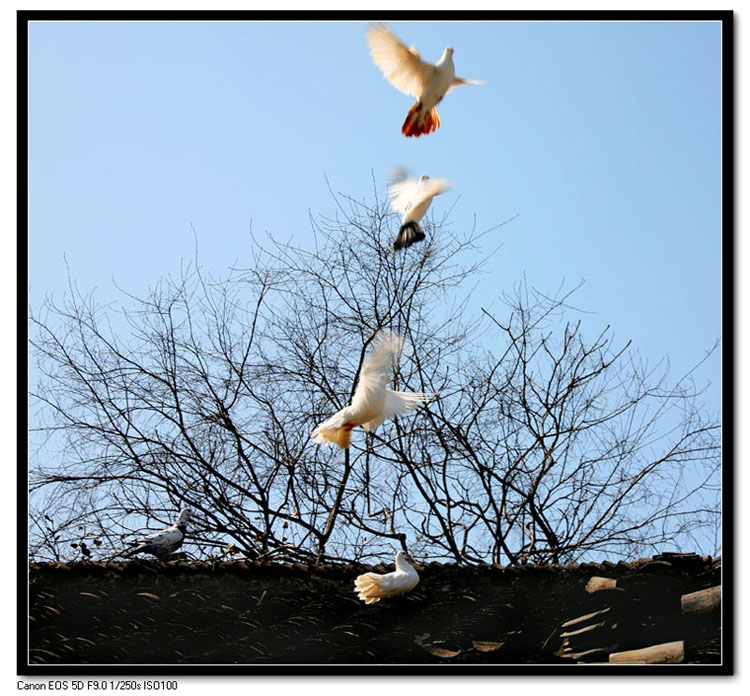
pixel 372 402
pixel 406 71
pixel 411 198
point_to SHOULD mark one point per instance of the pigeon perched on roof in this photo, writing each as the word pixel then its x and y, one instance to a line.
pixel 164 542
pixel 411 198
pixel 372 587
pixel 372 403
pixel 407 72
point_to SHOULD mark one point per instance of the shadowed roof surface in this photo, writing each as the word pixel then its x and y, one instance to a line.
pixel 240 612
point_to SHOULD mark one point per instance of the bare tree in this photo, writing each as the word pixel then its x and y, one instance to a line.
pixel 543 446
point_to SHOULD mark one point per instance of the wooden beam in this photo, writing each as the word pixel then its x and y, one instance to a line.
pixel 702 602
pixel 596 583
pixel 582 631
pixel 664 653
pixel 586 617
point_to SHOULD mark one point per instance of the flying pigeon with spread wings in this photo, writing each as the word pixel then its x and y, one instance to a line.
pixel 164 542
pixel 411 198
pixel 372 587
pixel 407 72
pixel 372 403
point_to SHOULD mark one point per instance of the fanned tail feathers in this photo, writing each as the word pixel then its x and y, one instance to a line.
pixel 367 588
pixel 408 234
pixel 342 437
pixel 420 123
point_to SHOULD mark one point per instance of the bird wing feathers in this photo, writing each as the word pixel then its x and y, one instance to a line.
pixel 372 403
pixel 458 81
pixel 159 543
pixel 397 174
pixel 397 403
pixel 406 195
pixel 387 349
pixel 164 538
pixel 367 399
pixel 402 66
pixel 402 195
pixel 376 371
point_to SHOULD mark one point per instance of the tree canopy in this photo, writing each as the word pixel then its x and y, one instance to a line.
pixel 544 445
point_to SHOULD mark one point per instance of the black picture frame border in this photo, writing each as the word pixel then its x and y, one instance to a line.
pixel 729 275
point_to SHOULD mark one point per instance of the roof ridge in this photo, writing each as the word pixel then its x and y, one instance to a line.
pixel 356 566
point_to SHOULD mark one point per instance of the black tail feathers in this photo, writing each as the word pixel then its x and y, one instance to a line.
pixel 409 233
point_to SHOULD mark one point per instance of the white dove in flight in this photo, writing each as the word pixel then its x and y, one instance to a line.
pixel 372 403
pixel 407 72
pixel 164 542
pixel 372 587
pixel 411 198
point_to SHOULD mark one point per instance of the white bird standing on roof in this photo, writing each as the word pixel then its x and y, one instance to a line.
pixel 372 403
pixel 372 587
pixel 164 542
pixel 407 72
pixel 411 198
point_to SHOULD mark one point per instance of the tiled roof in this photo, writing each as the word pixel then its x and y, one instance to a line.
pixel 146 612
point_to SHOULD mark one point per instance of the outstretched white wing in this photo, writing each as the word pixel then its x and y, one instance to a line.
pixel 409 194
pixel 397 174
pixel 431 187
pixel 387 351
pixel 458 81
pixel 402 195
pixel 372 403
pixel 397 403
pixel 376 371
pixel 402 66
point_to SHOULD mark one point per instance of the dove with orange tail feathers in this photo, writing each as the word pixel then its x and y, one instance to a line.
pixel 406 71
pixel 372 403
pixel 372 587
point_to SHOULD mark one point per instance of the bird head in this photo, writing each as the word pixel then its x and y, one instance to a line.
pixel 184 516
pixel 405 562
pixel 402 560
pixel 422 178
pixel 447 56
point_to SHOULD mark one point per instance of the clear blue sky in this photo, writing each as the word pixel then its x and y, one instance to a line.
pixel 603 137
